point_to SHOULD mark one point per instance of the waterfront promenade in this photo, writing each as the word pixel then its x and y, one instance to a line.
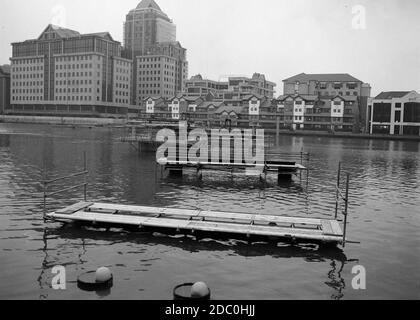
pixel 69 121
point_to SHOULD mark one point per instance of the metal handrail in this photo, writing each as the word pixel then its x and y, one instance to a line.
pixel 67 189
pixel 46 183
pixel 66 177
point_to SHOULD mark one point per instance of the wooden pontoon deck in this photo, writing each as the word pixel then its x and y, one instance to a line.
pixel 284 169
pixel 183 220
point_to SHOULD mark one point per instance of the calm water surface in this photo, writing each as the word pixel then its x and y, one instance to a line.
pixel 384 217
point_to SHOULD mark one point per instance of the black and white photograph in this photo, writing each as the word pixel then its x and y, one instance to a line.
pixel 190 151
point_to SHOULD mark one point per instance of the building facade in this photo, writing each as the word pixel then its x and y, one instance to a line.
pixel 198 86
pixel 4 88
pixel 233 91
pixel 288 112
pixel 313 112
pixel 331 86
pixel 395 113
pixel 257 85
pixel 162 71
pixel 254 111
pixel 64 72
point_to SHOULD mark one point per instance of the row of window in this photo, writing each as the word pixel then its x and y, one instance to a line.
pixel 327 110
pixel 122 63
pixel 30 68
pixel 121 93
pixel 150 79
pixel 76 66
pixel 154 59
pixel 145 93
pixel 27 84
pixel 351 86
pixel 156 66
pixel 28 76
pixel 336 103
pixel 77 58
pixel 340 93
pixel 121 101
pixel 145 82
pixel 27 98
pixel 75 98
pixel 75 90
pixel 121 70
pixel 27 91
pixel 76 82
pixel 255 109
pixel 28 61
pixel 121 86
pixel 149 72
pixel 76 74
pixel 121 78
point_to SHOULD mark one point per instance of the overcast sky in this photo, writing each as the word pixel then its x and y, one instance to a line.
pixel 239 37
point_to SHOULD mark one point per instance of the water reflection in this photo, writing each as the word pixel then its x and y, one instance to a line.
pixel 384 197
pixel 78 236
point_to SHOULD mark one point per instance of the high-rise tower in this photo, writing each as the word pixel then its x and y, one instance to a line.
pixel 160 66
pixel 146 25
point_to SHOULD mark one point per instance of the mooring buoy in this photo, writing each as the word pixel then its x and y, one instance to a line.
pixel 192 291
pixel 101 279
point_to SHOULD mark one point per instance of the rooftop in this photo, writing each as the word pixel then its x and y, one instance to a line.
pixel 324 77
pixel 147 4
pixel 207 104
pixel 229 109
pixel 5 69
pixel 306 97
pixel 388 95
pixel 63 32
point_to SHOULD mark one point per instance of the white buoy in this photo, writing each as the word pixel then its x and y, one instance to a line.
pixel 199 290
pixel 103 275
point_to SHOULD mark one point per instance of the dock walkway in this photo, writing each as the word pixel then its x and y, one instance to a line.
pixel 189 221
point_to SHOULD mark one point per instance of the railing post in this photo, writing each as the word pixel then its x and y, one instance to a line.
pixel 45 201
pixel 346 209
pixel 85 175
pixel 44 216
pixel 337 187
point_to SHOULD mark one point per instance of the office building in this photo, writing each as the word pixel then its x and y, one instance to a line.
pixel 160 62
pixel 64 72
pixel 145 26
pixel 162 71
pixel 395 112
pixel 232 91
pixel 314 112
pixel 329 86
pixel 198 86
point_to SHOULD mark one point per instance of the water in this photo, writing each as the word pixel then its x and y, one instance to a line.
pixel 384 217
